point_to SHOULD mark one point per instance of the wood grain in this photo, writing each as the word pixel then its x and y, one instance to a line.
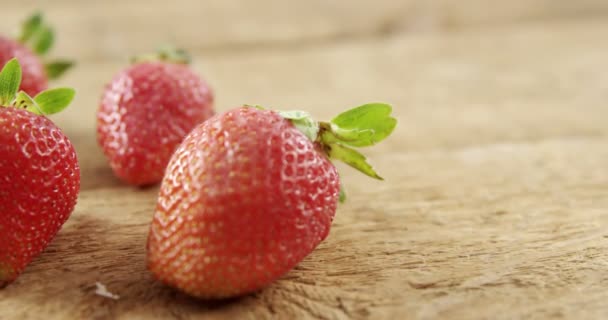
pixel 495 204
pixel 114 29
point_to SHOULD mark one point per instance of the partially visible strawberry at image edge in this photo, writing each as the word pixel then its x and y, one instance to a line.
pixel 32 45
pixel 39 171
pixel 250 192
pixel 146 111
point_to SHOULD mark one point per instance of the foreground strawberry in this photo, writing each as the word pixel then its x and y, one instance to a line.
pixel 146 111
pixel 36 36
pixel 39 170
pixel 251 192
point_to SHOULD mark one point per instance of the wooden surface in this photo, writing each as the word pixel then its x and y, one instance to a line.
pixel 496 199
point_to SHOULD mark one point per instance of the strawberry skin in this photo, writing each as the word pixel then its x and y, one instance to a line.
pixel 245 198
pixel 145 112
pixel 34 76
pixel 41 181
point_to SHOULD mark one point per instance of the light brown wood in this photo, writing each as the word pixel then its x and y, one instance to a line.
pixel 115 29
pixel 496 199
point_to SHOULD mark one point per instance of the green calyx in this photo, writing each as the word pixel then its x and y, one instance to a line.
pixel 44 103
pixel 362 126
pixel 164 54
pixel 39 36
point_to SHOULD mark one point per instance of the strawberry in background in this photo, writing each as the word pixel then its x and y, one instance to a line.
pixel 30 48
pixel 39 172
pixel 147 110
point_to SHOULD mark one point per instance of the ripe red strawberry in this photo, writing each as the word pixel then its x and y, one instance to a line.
pixel 39 169
pixel 250 193
pixel 145 112
pixel 39 36
pixel 34 76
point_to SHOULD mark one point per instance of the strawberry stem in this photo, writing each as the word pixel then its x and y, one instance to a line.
pixel 363 126
pixel 164 54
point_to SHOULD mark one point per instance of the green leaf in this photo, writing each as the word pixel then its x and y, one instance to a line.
pixel 10 79
pixel 54 100
pixel 56 69
pixel 353 158
pixel 166 53
pixel 365 125
pixel 43 40
pixel 254 106
pixel 30 27
pixel 303 122
pixel 342 196
pixel 24 101
pixel 173 54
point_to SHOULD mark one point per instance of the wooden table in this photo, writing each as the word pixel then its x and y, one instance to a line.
pixel 496 199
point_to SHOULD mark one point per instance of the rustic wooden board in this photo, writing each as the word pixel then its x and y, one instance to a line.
pixel 111 29
pixel 496 199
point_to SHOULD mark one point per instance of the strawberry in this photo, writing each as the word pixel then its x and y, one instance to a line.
pixel 249 193
pixel 35 71
pixel 34 77
pixel 146 111
pixel 40 172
